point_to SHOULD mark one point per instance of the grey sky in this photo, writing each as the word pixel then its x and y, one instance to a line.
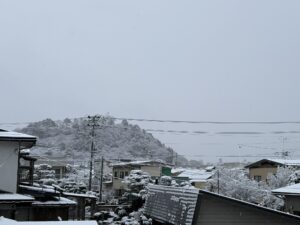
pixel 193 60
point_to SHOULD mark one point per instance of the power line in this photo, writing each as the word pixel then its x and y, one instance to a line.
pixel 208 122
pixel 187 121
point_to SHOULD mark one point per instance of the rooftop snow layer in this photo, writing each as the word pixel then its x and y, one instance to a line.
pixel 14 135
pixel 288 162
pixel 15 197
pixel 290 190
pixel 39 189
pixel 56 201
pixel 136 163
pixel 196 174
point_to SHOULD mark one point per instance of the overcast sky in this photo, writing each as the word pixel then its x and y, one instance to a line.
pixel 186 60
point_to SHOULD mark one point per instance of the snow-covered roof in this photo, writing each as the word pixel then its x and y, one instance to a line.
pixel 4 134
pixel 55 201
pixel 6 221
pixel 26 141
pixel 196 174
pixel 288 190
pixel 288 162
pixel 79 195
pixel 39 189
pixel 15 197
pixel 283 162
pixel 138 163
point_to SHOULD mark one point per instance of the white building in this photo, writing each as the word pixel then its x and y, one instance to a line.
pixel 10 145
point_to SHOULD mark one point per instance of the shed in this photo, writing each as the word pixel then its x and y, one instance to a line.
pixel 291 196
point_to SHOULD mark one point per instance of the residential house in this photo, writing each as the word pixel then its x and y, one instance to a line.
pixel 173 205
pixel 11 143
pixel 260 170
pixel 291 196
pixel 120 170
pixel 20 198
pixel 198 177
pixel 12 204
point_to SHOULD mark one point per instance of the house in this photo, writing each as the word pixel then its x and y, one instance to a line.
pixel 173 205
pixel 12 204
pixel 120 170
pixel 48 203
pixel 198 177
pixel 260 170
pixel 11 143
pixel 20 198
pixel 291 196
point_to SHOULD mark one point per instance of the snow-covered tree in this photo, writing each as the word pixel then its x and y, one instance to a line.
pixel 137 182
pixel 235 183
pixel 44 174
pixel 283 177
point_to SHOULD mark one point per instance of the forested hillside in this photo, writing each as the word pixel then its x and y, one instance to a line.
pixel 72 138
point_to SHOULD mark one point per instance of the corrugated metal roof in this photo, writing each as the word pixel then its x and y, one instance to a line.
pixel 171 204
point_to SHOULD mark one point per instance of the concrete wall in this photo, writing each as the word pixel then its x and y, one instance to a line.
pixel 262 171
pixel 8 166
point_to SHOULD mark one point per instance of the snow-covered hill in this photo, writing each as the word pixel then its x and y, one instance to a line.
pixel 72 138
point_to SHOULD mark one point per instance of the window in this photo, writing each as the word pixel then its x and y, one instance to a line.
pixel 257 178
pixel 116 174
pixel 126 173
pixel 122 174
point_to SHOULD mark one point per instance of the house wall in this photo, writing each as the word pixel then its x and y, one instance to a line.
pixel 49 213
pixel 118 184
pixel 199 184
pixel 117 180
pixel 262 171
pixel 8 166
pixel 154 171
pixel 18 212
pixel 292 204
pixel 214 210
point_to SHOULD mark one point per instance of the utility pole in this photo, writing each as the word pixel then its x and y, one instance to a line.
pixel 218 174
pixel 93 122
pixel 101 180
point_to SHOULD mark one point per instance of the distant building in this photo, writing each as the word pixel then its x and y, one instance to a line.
pixel 260 170
pixel 198 177
pixel 291 196
pixel 156 169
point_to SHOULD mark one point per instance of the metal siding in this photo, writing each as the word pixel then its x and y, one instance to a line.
pixel 215 210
